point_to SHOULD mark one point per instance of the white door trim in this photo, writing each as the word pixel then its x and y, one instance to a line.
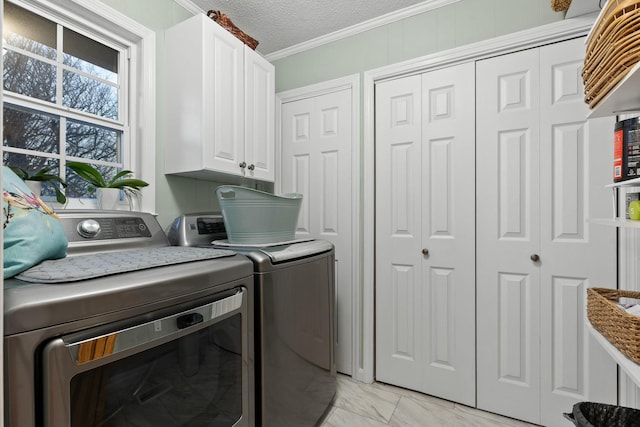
pixel 545 34
pixel 350 82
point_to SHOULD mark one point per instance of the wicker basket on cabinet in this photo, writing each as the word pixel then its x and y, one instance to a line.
pixel 225 22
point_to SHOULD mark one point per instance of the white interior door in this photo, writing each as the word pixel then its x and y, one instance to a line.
pixel 316 161
pixel 575 159
pixel 541 173
pixel 508 235
pixel 425 255
pixel 399 289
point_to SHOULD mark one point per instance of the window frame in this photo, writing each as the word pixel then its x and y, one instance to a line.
pixel 110 26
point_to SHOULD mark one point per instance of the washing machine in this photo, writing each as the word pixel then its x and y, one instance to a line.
pixel 294 321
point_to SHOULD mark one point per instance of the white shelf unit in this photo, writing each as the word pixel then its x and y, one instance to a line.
pixel 615 220
pixel 631 368
pixel 622 99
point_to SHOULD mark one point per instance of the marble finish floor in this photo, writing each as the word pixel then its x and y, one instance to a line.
pixel 379 405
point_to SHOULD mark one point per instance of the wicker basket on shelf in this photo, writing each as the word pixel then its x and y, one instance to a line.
pixel 225 22
pixel 619 327
pixel 613 48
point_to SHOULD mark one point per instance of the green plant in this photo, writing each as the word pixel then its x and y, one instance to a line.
pixel 94 177
pixel 43 175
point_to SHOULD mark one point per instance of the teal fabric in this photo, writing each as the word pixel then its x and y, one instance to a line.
pixel 32 232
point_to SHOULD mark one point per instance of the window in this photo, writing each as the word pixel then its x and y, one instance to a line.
pixel 70 94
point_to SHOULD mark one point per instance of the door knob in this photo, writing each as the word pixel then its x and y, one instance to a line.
pixel 425 252
pixel 251 167
pixel 535 258
pixel 243 165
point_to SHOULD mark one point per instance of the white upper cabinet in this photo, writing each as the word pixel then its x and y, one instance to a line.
pixel 259 85
pixel 219 105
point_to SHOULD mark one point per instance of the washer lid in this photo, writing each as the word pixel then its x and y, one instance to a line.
pixel 297 250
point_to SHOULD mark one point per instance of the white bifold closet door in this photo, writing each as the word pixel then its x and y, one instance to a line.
pixel 541 171
pixel 425 218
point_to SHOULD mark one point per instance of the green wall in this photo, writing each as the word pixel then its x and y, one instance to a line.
pixel 174 195
pixel 455 25
pixel 458 24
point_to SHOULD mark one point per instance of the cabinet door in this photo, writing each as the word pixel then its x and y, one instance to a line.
pixel 259 116
pixel 425 217
pixel 204 88
pixel 223 82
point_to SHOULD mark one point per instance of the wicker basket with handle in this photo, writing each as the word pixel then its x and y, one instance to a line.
pixel 619 327
pixel 225 22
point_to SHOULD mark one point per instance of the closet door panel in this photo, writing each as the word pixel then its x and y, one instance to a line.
pixel 399 289
pixel 508 294
pixel 448 229
pixel 575 253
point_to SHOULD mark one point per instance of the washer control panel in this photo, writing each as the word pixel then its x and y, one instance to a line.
pixel 112 228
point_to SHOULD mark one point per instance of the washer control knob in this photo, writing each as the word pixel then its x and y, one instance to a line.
pixel 88 228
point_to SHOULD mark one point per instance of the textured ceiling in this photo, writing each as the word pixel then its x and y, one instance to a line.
pixel 280 24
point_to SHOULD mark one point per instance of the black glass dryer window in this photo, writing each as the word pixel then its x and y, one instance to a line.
pixel 193 381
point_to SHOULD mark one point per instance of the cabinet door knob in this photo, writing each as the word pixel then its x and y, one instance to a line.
pixel 243 165
pixel 535 258
pixel 425 252
pixel 251 167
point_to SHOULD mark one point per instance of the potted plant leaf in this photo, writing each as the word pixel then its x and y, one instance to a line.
pixel 34 181
pixel 108 189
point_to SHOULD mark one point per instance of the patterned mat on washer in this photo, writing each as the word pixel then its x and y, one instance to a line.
pixel 83 267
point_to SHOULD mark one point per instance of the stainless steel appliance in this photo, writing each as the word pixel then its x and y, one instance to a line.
pixel 294 324
pixel 196 229
pixel 128 330
pixel 295 363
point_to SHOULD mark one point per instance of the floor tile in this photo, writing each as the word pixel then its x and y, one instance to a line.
pixel 505 420
pixel 413 394
pixel 342 418
pixel 378 405
pixel 365 400
pixel 411 413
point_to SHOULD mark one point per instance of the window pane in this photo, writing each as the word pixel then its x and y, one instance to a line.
pixel 29 76
pixel 89 95
pixel 77 187
pixel 33 164
pixel 31 130
pixel 29 31
pixel 90 56
pixel 92 142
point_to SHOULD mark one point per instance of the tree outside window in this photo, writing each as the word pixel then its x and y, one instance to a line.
pixel 63 99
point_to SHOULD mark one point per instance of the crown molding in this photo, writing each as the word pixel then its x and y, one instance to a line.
pixel 190 6
pixel 388 18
